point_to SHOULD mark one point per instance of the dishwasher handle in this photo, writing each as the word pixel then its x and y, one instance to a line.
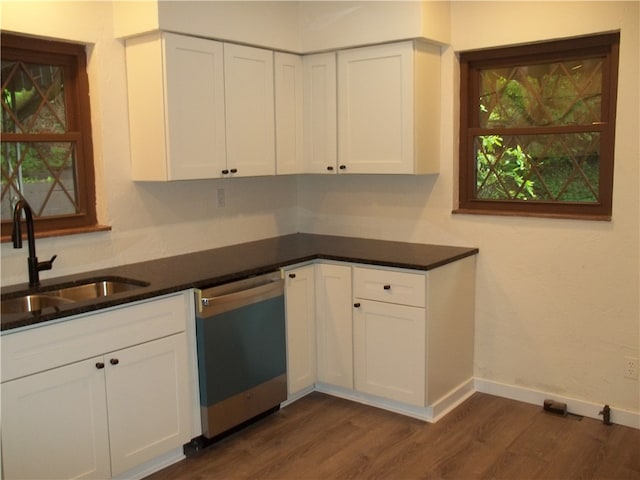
pixel 209 305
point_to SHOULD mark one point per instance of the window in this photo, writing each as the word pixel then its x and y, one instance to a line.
pixel 46 149
pixel 537 126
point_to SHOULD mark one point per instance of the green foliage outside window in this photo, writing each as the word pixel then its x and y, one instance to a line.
pixel 557 167
pixel 514 168
pixel 35 168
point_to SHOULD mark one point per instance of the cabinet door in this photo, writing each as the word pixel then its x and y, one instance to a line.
pixel 320 134
pixel 301 328
pixel 289 125
pixel 175 89
pixel 375 109
pixel 195 107
pixel 389 351
pixel 249 96
pixel 148 400
pixel 54 424
pixel 334 327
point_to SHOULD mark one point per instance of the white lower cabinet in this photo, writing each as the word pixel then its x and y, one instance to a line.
pixel 413 333
pixel 390 334
pixel 389 343
pixel 301 329
pixel 147 394
pixel 334 324
pixel 397 338
pixel 103 414
pixel 54 424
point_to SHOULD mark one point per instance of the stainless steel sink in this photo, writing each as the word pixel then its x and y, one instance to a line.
pixel 32 303
pixel 56 296
pixel 98 289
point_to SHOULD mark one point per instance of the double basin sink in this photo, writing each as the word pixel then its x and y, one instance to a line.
pixel 56 296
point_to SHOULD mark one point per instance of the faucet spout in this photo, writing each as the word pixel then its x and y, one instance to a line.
pixel 34 267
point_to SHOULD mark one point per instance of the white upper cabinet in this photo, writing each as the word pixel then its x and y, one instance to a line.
pixel 249 98
pixel 289 125
pixel 200 109
pixel 320 134
pixel 388 109
pixel 176 107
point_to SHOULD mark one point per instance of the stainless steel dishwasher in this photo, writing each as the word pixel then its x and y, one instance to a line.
pixel 241 342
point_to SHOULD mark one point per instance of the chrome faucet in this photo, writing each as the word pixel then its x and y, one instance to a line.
pixel 16 236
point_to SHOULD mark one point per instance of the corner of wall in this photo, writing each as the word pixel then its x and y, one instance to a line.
pixel 436 21
pixel 134 18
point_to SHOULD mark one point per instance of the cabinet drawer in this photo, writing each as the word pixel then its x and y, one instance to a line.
pixel 389 286
pixel 84 336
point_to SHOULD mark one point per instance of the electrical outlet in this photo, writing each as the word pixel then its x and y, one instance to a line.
pixel 221 201
pixel 631 368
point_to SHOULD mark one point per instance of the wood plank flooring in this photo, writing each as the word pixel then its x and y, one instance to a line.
pixel 323 437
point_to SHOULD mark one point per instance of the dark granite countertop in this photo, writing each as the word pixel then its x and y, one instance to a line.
pixel 222 265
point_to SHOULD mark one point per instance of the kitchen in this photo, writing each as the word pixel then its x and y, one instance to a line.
pixel 587 272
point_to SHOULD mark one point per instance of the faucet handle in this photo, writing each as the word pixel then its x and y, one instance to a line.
pixel 47 265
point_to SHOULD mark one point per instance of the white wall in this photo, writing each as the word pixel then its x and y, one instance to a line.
pixel 148 220
pixel 267 24
pixel 557 300
pixel 300 27
pixel 331 25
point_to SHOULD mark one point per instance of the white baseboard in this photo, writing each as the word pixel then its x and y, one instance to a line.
pixel 430 414
pixel 420 413
pixel 297 396
pixel 452 399
pixel 152 466
pixel 463 391
pixel 575 406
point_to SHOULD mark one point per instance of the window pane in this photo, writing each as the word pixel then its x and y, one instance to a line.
pixel 46 154
pixel 42 173
pixel 539 95
pixel 559 167
pixel 32 98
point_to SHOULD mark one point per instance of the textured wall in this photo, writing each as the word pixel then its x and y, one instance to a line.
pixel 557 300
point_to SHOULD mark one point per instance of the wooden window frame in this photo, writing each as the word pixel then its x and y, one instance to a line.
pixel 606 45
pixel 73 60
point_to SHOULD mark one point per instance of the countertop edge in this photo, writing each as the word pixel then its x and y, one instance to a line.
pixel 297 248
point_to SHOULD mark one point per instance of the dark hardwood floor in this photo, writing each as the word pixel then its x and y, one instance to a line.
pixel 322 437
